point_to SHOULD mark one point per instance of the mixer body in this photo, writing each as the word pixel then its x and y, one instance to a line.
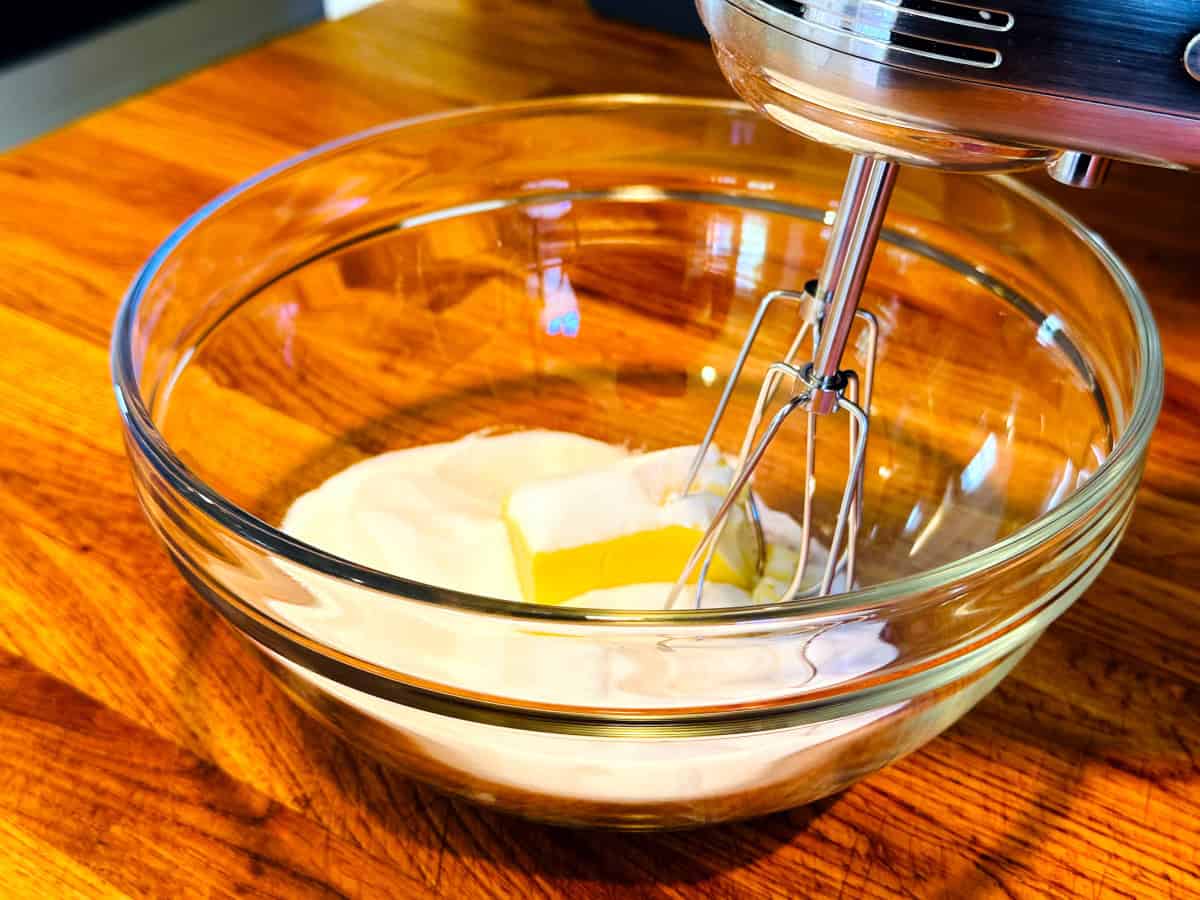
pixel 950 84
pixel 1000 85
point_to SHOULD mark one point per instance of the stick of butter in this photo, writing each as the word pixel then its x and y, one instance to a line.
pixel 623 524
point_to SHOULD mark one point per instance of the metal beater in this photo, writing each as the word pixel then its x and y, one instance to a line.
pixel 828 308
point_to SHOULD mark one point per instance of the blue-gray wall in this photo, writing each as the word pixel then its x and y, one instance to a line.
pixel 42 91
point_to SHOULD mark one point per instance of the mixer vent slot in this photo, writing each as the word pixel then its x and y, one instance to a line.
pixel 932 29
pixel 965 14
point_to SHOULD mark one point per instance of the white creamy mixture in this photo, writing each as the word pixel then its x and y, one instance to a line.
pixel 434 514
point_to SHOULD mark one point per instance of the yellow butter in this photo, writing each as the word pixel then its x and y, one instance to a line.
pixel 622 524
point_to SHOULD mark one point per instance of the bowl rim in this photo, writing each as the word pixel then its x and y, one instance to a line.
pixel 1126 453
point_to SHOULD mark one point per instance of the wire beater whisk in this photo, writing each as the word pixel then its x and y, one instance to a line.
pixel 828 307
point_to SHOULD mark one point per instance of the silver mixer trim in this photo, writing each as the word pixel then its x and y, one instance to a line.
pixel 926 83
pixel 1093 49
pixel 1082 170
pixel 877 27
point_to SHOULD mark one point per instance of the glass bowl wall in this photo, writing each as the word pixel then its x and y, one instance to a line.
pixel 591 265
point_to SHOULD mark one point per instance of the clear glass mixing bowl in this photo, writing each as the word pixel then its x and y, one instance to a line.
pixel 590 265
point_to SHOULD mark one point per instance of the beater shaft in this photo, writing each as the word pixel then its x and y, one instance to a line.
pixel 844 273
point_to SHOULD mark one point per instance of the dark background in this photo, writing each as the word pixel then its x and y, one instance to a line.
pixel 50 26
pixel 675 16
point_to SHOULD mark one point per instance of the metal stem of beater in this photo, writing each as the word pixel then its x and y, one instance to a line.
pixel 820 386
pixel 844 273
pixel 860 215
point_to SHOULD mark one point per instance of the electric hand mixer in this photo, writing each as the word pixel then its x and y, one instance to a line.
pixel 955 85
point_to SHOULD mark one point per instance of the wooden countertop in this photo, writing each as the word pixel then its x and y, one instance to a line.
pixel 144 752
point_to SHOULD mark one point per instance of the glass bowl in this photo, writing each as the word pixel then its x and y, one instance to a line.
pixel 591 265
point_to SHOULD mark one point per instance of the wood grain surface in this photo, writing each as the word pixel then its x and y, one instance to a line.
pixel 143 750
